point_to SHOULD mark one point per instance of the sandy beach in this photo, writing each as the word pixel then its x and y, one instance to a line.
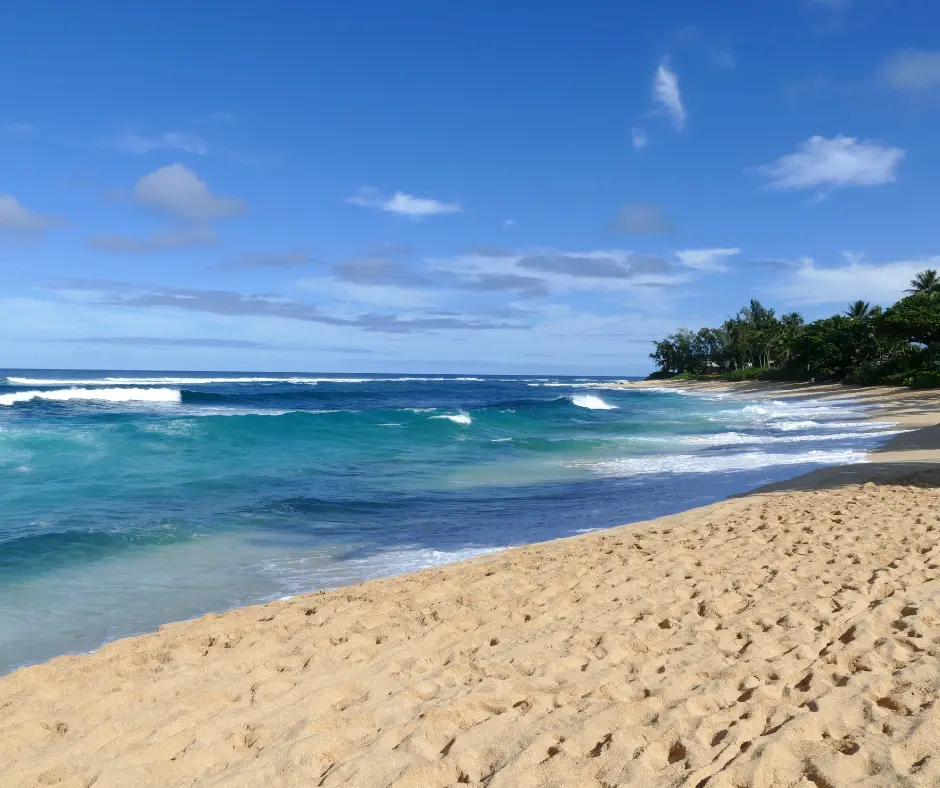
pixel 789 637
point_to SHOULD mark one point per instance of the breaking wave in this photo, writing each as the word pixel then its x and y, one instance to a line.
pixel 591 401
pixel 100 395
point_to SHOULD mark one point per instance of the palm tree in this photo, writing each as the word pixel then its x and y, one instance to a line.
pixel 859 310
pixel 926 282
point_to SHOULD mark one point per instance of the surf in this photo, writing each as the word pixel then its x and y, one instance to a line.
pixel 93 395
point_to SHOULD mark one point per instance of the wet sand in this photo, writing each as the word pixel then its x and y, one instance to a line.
pixel 785 638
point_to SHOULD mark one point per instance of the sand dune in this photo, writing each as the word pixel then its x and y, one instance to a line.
pixel 782 639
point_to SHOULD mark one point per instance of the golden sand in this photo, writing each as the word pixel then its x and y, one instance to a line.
pixel 788 638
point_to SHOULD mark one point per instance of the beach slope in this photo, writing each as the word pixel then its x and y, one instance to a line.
pixel 785 639
pixel 788 638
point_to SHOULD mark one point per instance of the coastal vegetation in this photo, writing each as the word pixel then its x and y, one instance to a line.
pixel 864 344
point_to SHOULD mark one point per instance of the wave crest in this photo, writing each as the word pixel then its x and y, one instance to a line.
pixel 457 418
pixel 591 401
pixel 101 395
pixel 697 463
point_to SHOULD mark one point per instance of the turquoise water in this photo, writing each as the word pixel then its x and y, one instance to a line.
pixel 130 499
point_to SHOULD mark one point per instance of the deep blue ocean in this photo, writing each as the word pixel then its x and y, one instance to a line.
pixel 130 499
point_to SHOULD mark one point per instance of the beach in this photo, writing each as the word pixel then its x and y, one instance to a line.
pixel 786 637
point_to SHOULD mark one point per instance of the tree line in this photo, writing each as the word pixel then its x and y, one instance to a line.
pixel 864 344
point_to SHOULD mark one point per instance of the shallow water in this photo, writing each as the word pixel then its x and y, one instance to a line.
pixel 131 499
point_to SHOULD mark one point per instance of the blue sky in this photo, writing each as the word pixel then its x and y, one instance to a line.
pixel 420 186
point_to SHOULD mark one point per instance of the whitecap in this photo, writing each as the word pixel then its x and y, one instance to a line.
pixel 99 395
pixel 591 401
pixel 698 463
pixel 457 418
pixel 739 438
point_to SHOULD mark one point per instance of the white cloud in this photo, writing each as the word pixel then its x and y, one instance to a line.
pixel 179 192
pixel 821 163
pixel 400 203
pixel 14 216
pixel 881 283
pixel 706 259
pixel 914 70
pixel 170 140
pixel 638 137
pixel 666 92
pixel 602 271
pixel 383 296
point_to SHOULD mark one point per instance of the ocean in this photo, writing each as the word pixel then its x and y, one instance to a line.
pixel 130 499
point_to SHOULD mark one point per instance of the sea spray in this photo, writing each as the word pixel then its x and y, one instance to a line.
pixel 592 402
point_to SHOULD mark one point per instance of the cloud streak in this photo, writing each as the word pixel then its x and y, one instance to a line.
pixel 706 259
pixel 235 304
pixel 401 204
pixel 880 283
pixel 836 163
pixel 666 93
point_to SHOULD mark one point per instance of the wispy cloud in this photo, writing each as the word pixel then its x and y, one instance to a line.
pixel 13 216
pixel 156 242
pixel 401 203
pixel 235 304
pixel 170 342
pixel 177 191
pixel 880 283
pixel 666 93
pixel 596 266
pixel 707 259
pixel 170 140
pixel 839 162
pixel 635 218
pixel 912 71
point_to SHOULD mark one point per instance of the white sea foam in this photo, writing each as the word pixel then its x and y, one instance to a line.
pixel 213 380
pixel 740 438
pixel 304 574
pixel 457 418
pixel 697 463
pixel 100 395
pixel 149 381
pixel 592 402
pixel 789 426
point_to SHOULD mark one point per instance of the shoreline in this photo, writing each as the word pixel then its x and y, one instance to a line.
pixel 476 672
pixel 913 451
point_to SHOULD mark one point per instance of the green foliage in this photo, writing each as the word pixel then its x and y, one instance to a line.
pixel 748 373
pixel 926 282
pixel 923 379
pixel 915 319
pixel 865 345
